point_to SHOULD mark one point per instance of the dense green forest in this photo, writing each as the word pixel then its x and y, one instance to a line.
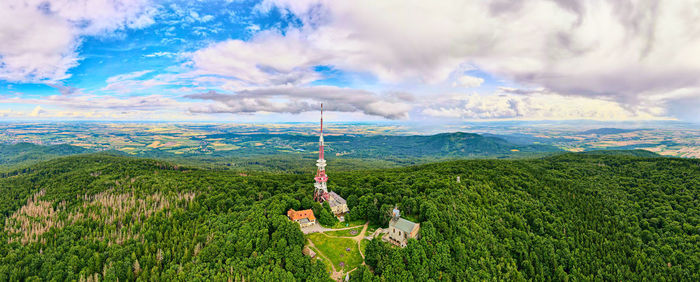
pixel 454 144
pixel 566 217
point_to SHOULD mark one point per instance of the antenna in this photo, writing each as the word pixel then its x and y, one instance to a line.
pixel 321 191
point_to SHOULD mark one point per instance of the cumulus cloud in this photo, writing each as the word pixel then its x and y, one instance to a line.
pixel 536 105
pixel 301 99
pixel 38 111
pixel 270 58
pixel 40 38
pixel 468 81
pixel 627 51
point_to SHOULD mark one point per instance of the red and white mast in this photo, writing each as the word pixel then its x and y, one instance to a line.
pixel 320 191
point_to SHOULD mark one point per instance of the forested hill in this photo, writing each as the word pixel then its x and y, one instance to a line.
pixel 26 153
pixel 634 153
pixel 571 216
pixel 456 144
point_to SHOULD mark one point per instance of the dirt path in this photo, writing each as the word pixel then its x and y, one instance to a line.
pixel 359 238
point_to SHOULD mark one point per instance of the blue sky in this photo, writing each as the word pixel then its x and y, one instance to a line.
pixel 277 60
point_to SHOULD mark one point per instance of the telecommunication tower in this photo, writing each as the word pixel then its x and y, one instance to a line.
pixel 320 189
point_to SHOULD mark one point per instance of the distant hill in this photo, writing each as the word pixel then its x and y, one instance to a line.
pixel 444 145
pixel 633 153
pixel 526 139
pixel 457 144
pixel 28 153
pixel 283 152
pixel 608 130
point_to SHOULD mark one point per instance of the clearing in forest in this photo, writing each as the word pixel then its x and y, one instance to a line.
pixel 343 252
pixel 344 248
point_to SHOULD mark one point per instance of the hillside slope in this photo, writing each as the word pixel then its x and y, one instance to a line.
pixel 21 154
pixel 571 216
pixel 456 144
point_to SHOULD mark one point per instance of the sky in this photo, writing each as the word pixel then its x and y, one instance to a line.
pixel 390 60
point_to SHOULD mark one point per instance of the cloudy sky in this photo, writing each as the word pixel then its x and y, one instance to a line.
pixel 403 60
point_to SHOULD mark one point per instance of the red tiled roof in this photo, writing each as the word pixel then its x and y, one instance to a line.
pixel 297 215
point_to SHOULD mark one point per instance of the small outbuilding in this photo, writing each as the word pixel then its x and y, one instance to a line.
pixel 304 217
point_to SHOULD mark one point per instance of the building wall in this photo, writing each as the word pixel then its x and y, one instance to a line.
pixel 397 235
pixel 339 209
pixel 307 224
pixel 414 232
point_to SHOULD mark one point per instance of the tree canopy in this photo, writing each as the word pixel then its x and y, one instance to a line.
pixel 571 216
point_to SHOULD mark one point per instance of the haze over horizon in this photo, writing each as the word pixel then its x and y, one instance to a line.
pixel 397 61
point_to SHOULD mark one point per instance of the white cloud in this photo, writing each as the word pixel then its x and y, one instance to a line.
pixel 536 105
pixel 126 76
pixel 98 102
pixel 621 50
pixel 268 59
pixel 468 81
pixel 161 54
pixel 40 38
pixel 37 112
pixel 295 100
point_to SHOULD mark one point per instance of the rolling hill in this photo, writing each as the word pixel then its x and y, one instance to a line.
pixel 358 151
pixel 26 153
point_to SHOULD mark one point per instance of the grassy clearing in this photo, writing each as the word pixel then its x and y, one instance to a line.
pixel 348 224
pixel 345 233
pixel 335 250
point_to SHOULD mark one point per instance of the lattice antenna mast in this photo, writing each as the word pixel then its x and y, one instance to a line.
pixel 321 191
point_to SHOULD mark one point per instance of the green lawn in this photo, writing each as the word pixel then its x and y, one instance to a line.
pixel 345 233
pixel 335 250
pixel 348 224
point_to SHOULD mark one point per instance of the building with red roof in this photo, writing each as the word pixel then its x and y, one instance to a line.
pixel 304 217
